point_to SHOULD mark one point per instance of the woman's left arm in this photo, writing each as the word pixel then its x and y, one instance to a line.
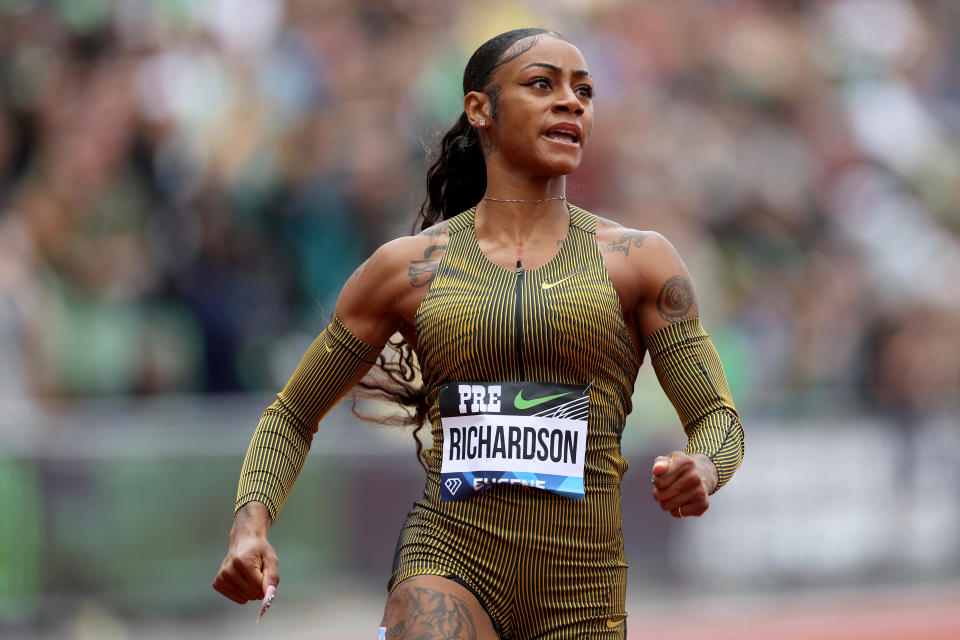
pixel 688 367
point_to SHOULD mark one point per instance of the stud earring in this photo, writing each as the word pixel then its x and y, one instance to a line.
pixel 482 123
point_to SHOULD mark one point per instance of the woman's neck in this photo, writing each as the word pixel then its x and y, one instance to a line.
pixel 518 211
pixel 528 229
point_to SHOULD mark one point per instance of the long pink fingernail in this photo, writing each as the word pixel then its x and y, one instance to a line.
pixel 267 599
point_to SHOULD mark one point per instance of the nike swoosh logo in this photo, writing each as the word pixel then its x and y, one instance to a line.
pixel 551 285
pixel 523 404
pixel 327 347
pixel 616 621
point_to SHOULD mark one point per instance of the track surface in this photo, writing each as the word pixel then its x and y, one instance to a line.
pixel 908 614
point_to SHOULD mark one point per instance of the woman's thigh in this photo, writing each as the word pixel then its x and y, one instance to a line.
pixel 435 607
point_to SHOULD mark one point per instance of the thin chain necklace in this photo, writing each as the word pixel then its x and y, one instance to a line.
pixel 563 197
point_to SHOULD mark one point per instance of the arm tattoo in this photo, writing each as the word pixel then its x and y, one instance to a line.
pixel 418 613
pixel 243 516
pixel 421 272
pixel 676 300
pixel 629 240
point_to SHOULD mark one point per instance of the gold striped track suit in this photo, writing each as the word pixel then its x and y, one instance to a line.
pixel 543 566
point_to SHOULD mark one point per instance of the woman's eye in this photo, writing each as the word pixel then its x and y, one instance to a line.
pixel 585 92
pixel 539 83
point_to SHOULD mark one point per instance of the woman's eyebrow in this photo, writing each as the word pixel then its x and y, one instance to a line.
pixel 555 68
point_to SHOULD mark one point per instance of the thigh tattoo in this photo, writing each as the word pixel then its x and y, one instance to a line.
pixel 419 613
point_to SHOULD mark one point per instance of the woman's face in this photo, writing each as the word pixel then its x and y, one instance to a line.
pixel 544 109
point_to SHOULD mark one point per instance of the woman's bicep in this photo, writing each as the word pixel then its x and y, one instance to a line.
pixel 369 301
pixel 666 295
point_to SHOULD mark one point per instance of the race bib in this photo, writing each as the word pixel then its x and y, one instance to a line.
pixel 520 433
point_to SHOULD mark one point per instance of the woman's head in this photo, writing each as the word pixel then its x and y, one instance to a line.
pixel 496 72
pixel 535 112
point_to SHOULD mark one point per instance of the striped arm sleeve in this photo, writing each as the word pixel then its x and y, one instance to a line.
pixel 689 370
pixel 336 360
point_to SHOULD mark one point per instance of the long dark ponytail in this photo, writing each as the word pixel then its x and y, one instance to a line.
pixel 456 181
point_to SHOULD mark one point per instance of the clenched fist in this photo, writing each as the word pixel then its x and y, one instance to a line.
pixel 682 483
pixel 251 563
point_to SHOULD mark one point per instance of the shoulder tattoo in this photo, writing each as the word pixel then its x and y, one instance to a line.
pixel 627 241
pixel 603 223
pixel 676 300
pixel 439 229
pixel 422 272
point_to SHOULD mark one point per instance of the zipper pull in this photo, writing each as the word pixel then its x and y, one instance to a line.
pixel 519 268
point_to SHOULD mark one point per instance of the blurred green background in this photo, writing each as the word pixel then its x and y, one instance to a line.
pixel 185 186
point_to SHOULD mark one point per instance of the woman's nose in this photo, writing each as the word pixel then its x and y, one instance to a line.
pixel 567 102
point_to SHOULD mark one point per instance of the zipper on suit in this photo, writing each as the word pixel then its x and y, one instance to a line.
pixel 518 326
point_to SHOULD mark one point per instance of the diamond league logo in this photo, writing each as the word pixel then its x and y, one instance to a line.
pixel 452 485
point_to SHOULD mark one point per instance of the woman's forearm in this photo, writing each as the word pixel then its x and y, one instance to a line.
pixel 333 364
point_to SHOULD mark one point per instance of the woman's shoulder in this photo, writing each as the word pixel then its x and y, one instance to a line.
pixel 405 247
pixel 618 241
pixel 392 282
pixel 439 230
pixel 408 260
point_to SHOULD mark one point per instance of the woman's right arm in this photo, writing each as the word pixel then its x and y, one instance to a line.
pixel 371 308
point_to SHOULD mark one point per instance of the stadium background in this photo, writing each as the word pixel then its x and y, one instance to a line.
pixel 184 187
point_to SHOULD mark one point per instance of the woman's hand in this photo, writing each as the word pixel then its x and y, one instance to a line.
pixel 682 483
pixel 251 563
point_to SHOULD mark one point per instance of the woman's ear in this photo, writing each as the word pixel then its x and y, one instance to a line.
pixel 477 107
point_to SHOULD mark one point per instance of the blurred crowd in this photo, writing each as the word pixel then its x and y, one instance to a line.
pixel 185 186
